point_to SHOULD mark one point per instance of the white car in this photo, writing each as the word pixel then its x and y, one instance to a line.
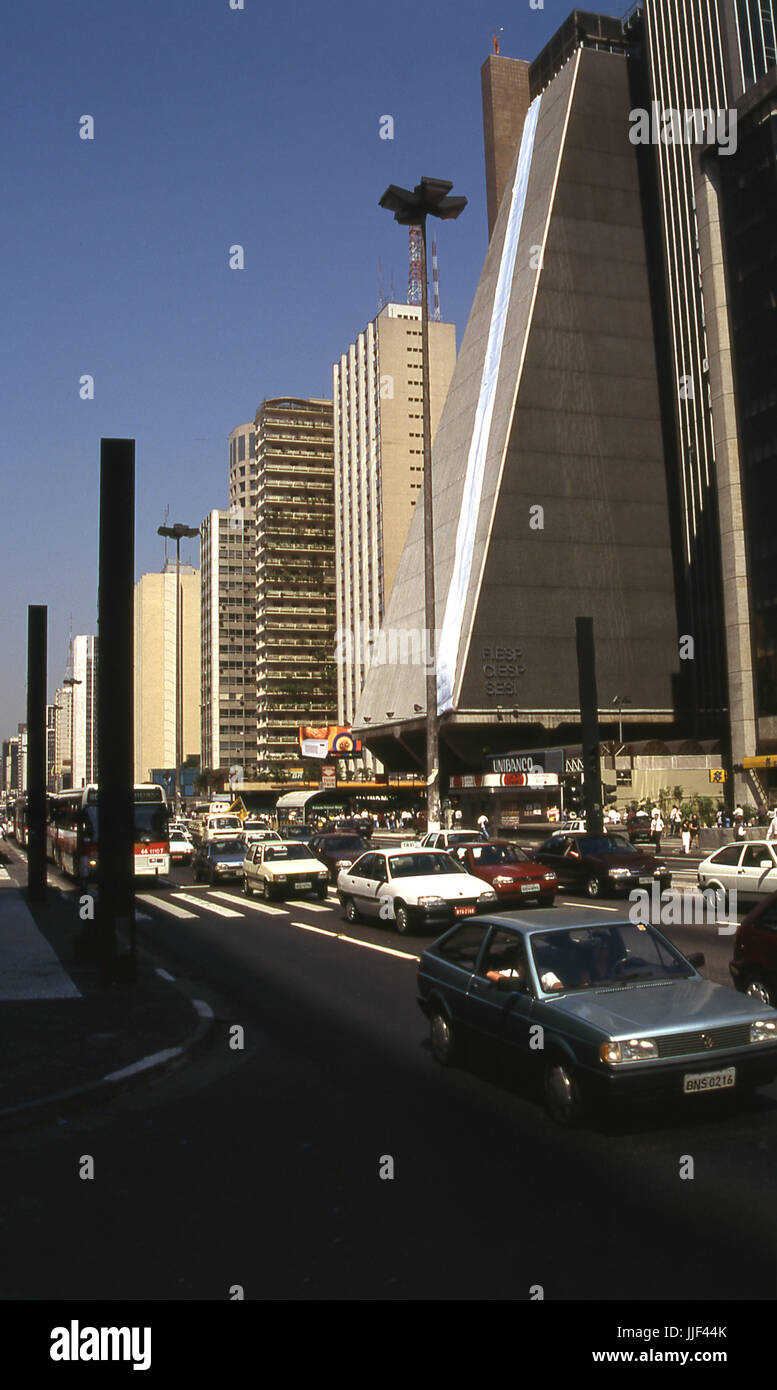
pixel 412 887
pixel 748 866
pixel 221 827
pixel 276 867
pixel 254 833
pixel 181 847
pixel 445 839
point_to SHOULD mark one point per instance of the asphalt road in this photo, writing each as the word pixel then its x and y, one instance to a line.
pixel 262 1166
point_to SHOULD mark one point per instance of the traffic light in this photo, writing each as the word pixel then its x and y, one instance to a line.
pixel 573 795
pixel 609 794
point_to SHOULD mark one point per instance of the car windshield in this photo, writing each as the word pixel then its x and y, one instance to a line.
pixel 410 865
pixel 604 957
pixel 463 837
pixel 150 824
pixel 287 852
pixel 498 854
pixel 227 847
pixel 224 823
pixel 603 844
pixel 337 844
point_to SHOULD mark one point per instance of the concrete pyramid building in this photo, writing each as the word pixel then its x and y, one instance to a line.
pixel 550 490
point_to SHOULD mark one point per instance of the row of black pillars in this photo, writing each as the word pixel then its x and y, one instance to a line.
pixel 98 941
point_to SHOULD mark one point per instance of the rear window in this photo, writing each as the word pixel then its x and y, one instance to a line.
pixel 227 847
pixel 335 844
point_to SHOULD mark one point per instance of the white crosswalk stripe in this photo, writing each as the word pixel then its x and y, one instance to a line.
pixel 251 906
pixel 164 905
pixel 206 902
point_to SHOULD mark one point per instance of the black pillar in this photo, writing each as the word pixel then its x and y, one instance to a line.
pixel 589 720
pixel 36 753
pixel 115 751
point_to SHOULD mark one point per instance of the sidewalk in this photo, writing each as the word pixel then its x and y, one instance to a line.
pixel 68 1042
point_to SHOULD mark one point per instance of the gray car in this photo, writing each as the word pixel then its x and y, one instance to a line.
pixel 748 867
pixel 602 1010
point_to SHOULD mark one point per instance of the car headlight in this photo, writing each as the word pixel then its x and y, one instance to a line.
pixel 489 896
pixel 431 901
pixel 502 880
pixel 763 1030
pixel 660 869
pixel 634 1050
pixel 548 878
pixel 619 873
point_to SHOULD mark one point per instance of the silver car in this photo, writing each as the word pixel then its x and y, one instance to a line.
pixel 748 867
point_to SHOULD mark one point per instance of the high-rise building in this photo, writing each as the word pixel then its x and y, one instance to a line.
pixel 228 640
pixel 63 738
pixel 379 458
pixel 292 480
pixel 155 668
pixel 242 473
pixel 84 707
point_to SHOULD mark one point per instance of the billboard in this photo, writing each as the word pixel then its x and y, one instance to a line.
pixel 321 740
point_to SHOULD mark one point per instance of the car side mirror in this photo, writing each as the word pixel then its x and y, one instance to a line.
pixel 766 864
pixel 697 959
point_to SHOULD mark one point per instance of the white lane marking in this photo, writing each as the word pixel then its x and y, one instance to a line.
pixel 144 1064
pixel 164 974
pixel 309 907
pixel 355 941
pixel 4 873
pixel 594 906
pixel 205 902
pixel 308 926
pixel 203 1009
pixel 163 905
pixel 256 907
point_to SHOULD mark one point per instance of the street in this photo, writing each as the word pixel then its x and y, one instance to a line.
pixel 266 1166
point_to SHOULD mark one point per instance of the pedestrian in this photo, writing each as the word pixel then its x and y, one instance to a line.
pixel 656 828
pixel 483 823
pixel 457 816
pixel 676 819
pixel 695 831
pixel 686 836
pixel 739 824
pixel 771 833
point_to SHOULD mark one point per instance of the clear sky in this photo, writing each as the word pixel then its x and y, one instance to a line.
pixel 212 127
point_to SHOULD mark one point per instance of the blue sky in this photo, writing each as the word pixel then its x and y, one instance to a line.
pixel 213 127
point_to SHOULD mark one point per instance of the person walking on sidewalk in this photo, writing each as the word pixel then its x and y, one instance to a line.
pixel 771 833
pixel 686 836
pixel 657 828
pixel 695 831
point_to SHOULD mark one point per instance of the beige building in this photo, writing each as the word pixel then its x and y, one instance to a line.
pixel 155 670
pixel 63 738
pixel 379 460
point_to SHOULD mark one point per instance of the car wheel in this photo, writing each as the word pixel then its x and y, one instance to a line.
pixel 443 1039
pixel 721 896
pixel 351 911
pixel 593 886
pixel 756 988
pixel 247 889
pixel 267 893
pixel 321 892
pixel 402 919
pixel 212 879
pixel 563 1092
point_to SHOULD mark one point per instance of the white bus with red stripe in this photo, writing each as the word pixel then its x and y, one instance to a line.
pixel 72 835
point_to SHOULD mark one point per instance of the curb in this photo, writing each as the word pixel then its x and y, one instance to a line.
pixel 115 1083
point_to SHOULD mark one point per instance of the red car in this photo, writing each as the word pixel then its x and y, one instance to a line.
pixel 512 874
pixel 754 966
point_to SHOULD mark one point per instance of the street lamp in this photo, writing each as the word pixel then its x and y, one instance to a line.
pixel 411 209
pixel 620 701
pixel 176 533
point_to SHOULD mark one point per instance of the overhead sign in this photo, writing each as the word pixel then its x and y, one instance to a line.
pixel 328 778
pixel 763 760
pixel 492 780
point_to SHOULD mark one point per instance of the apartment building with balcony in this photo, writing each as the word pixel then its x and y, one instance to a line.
pixel 291 486
pixel 227 641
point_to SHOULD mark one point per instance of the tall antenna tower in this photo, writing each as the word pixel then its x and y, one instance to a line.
pixel 435 284
pixel 414 282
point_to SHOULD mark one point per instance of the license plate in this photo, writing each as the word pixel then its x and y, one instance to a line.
pixel 464 912
pixel 710 1081
pixel 304 883
pixel 646 880
pixel 530 887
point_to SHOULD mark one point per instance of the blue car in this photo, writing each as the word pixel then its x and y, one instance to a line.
pixel 601 1010
pixel 216 860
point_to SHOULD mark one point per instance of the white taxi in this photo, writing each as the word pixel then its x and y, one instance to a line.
pixel 277 867
pixel 411 887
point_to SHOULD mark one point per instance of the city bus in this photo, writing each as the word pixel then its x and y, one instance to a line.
pixel 72 836
pixel 20 821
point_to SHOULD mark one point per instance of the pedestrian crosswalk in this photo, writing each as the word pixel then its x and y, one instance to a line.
pixel 214 900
